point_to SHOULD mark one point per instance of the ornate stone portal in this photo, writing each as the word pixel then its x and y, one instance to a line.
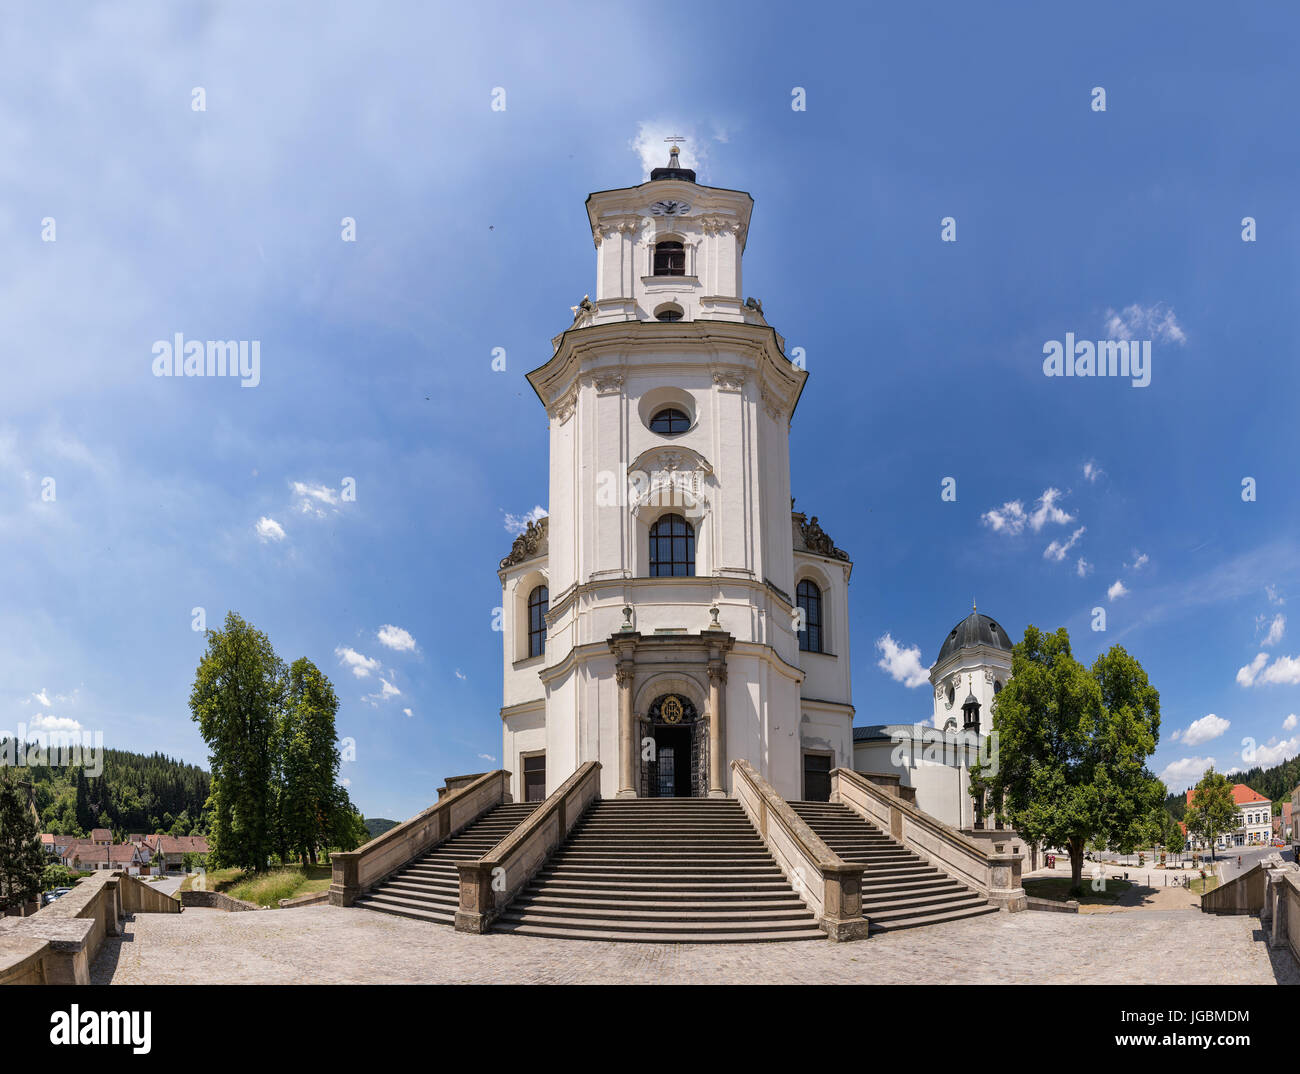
pixel 664 671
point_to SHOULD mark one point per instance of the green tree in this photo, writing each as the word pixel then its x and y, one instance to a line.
pixel 1212 810
pixel 22 862
pixel 85 815
pixel 1069 763
pixel 307 758
pixel 54 876
pixel 235 701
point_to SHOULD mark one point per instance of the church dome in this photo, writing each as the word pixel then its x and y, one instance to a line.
pixel 973 631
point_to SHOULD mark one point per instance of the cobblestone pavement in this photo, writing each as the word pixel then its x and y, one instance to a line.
pixel 326 944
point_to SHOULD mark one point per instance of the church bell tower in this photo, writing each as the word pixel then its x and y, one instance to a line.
pixel 673 640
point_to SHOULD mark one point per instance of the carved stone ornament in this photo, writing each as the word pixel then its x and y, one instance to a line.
pixel 817 540
pixel 563 409
pixel 608 383
pixel 527 544
pixel 729 380
pixel 988 675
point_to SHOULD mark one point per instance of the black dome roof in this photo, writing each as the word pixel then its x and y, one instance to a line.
pixel 975 629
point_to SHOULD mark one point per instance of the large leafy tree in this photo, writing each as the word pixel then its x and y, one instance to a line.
pixel 236 701
pixel 22 862
pixel 307 762
pixel 1071 748
pixel 1213 810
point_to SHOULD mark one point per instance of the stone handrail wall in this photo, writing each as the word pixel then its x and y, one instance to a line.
pixel 355 871
pixel 58 943
pixel 455 783
pixel 1243 894
pixel 1281 912
pixel 217 900
pixel 995 875
pixel 488 884
pixel 828 885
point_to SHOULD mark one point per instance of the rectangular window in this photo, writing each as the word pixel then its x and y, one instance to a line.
pixel 535 778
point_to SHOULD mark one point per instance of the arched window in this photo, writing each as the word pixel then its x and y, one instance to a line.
pixel 997 687
pixel 668 315
pixel 669 422
pixel 672 548
pixel 809 598
pixel 538 602
pixel 670 259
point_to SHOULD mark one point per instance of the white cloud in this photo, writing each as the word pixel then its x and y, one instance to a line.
pixel 1140 560
pixel 387 690
pixel 1057 550
pixel 1246 676
pixel 408 712
pixel 1009 518
pixel 516 524
pixel 1202 730
pixel 313 499
pixel 1274 597
pixel 1091 471
pixel 486 757
pixel 903 665
pixel 361 665
pixel 1116 591
pixel 268 529
pixel 45 722
pixel 461 675
pixel 650 147
pixel 396 638
pixel 1284 671
pixel 1276 628
pixel 1155 322
pixel 1179 775
pixel 43 698
pixel 1047 511
pixel 1289 723
pixel 1083 568
pixel 1276 754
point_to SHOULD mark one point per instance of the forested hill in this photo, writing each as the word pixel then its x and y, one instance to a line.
pixel 1275 784
pixel 134 793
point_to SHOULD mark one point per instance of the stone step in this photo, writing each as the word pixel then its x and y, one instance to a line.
pixel 755 935
pixel 895 924
pixel 629 927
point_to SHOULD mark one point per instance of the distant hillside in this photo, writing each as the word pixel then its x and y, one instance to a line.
pixel 378 825
pixel 134 793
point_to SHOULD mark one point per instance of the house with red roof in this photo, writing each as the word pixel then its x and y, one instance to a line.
pixel 92 856
pixel 170 850
pixel 1254 819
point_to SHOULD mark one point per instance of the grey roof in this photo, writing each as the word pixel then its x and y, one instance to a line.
pixel 887 732
pixel 974 630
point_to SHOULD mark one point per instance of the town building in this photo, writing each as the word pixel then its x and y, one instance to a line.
pixel 1254 824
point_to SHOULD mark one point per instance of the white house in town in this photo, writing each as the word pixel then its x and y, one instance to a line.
pixel 673 612
pixel 1254 824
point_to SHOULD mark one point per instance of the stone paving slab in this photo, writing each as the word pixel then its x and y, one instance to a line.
pixel 327 944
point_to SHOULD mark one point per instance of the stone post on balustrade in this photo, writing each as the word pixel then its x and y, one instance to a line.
pixel 1005 889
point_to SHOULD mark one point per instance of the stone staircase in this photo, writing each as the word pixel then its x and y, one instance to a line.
pixel 428 888
pixel 671 870
pixel 900 890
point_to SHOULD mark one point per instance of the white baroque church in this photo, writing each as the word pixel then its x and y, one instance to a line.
pixel 673 612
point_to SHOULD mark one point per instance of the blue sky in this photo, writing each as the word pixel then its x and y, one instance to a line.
pixel 925 357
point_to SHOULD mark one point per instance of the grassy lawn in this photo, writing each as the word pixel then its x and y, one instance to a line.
pixel 1058 889
pixel 266 889
pixel 1200 887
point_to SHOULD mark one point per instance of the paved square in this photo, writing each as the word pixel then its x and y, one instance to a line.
pixel 328 945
